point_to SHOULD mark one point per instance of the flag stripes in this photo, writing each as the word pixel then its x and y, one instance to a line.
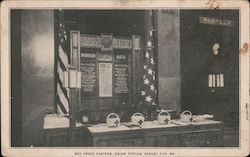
pixel 60 106
pixel 62 90
pixel 63 56
pixel 62 94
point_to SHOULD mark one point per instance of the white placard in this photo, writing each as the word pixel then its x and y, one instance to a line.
pixel 105 79
pixel 210 80
pixel 218 80
pixel 213 84
pixel 72 78
pixel 65 79
pixel 222 80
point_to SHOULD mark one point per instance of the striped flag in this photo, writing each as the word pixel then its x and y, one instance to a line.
pixel 149 91
pixel 62 94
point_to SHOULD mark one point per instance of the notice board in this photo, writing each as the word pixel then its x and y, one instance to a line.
pixel 121 78
pixel 88 78
pixel 105 79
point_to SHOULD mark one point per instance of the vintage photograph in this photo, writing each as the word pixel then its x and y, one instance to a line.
pixel 128 78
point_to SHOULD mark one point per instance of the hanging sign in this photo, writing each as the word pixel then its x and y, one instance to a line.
pixel 215 21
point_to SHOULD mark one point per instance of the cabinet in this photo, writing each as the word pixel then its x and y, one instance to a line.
pixel 56 132
pixel 208 133
pixel 151 134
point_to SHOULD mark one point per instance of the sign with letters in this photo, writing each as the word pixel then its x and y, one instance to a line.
pixel 121 78
pixel 88 78
pixel 90 41
pixel 215 21
pixel 122 43
pixel 105 42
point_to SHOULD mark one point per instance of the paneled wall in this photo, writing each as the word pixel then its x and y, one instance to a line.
pixel 168 22
pixel 37 57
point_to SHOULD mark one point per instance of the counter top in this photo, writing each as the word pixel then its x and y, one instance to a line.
pixel 98 128
pixel 58 121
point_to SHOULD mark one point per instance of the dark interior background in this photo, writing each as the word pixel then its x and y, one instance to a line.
pixel 196 63
pixel 123 23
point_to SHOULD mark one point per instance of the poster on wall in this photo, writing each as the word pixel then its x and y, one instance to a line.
pixel 88 78
pixel 121 78
pixel 105 79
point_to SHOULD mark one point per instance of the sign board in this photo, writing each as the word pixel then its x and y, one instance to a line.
pixel 106 42
pixel 88 78
pixel 105 79
pixel 121 78
pixel 90 41
pixel 122 43
pixel 88 55
pixel 215 21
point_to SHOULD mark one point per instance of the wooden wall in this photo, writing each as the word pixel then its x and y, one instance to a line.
pixel 168 24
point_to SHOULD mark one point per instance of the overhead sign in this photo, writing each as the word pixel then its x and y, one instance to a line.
pixel 105 42
pixel 215 21
pixel 90 41
pixel 122 43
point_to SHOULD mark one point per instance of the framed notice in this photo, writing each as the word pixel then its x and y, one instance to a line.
pixel 105 79
pixel 88 78
pixel 121 78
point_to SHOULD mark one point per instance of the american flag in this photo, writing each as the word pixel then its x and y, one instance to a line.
pixel 62 61
pixel 149 91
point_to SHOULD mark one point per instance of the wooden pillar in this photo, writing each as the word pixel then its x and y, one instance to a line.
pixel 168 47
pixel 75 94
pixel 136 39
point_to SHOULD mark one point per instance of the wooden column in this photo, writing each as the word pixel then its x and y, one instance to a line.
pixel 75 94
pixel 136 39
pixel 168 47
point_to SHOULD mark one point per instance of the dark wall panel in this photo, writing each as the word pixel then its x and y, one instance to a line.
pixel 37 50
pixel 16 106
pixel 169 59
pixel 198 61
